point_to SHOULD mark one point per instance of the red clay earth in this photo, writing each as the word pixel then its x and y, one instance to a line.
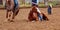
pixel 22 24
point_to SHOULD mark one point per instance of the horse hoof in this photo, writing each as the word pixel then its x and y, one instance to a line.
pixel 9 15
pixel 33 21
pixel 11 21
pixel 8 19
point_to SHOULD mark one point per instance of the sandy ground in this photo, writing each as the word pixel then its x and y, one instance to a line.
pixel 22 24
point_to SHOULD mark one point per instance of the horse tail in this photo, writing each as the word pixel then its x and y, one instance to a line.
pixel 45 17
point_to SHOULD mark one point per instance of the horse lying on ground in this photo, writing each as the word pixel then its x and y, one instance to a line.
pixel 33 15
pixel 11 10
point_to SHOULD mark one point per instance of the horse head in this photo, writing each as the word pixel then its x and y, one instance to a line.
pixel 34 9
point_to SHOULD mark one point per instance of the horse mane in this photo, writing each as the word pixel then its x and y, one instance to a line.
pixel 34 9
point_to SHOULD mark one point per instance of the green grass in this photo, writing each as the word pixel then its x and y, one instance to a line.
pixel 53 3
pixel 41 5
pixel 1 6
pixel 29 5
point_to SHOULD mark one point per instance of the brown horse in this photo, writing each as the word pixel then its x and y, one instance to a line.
pixel 33 15
pixel 11 12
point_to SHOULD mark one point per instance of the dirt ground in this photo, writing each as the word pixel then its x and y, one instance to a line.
pixel 20 22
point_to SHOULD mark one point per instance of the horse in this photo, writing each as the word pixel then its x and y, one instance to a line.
pixel 33 15
pixel 11 10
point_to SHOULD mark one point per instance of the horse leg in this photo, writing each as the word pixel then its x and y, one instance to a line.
pixel 10 15
pixel 13 16
pixel 16 12
pixel 7 14
pixel 35 16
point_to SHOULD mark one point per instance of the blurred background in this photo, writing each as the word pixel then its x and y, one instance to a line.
pixel 27 3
